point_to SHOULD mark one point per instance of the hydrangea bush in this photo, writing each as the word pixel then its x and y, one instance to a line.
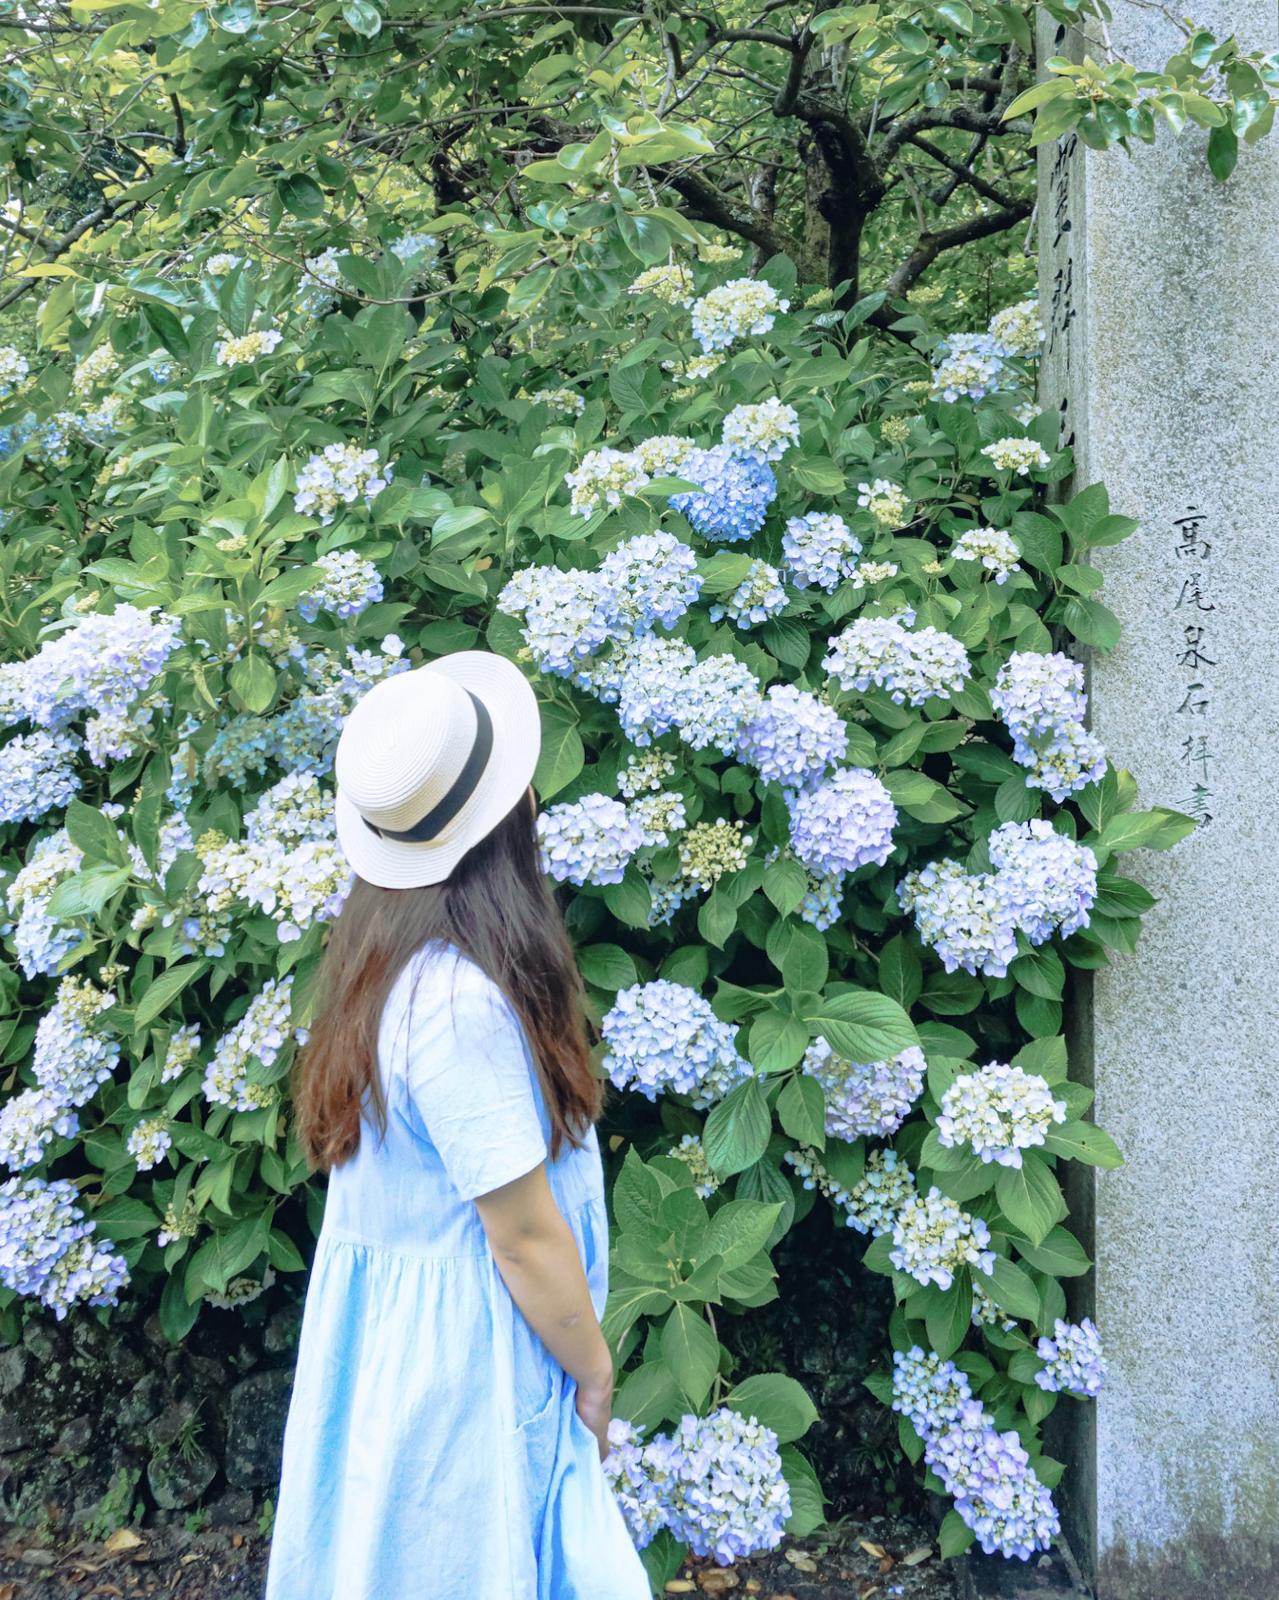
pixel 816 781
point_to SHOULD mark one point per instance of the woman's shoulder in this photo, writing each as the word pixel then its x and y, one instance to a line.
pixel 441 977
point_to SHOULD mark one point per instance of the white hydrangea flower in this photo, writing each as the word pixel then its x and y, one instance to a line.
pixel 1020 456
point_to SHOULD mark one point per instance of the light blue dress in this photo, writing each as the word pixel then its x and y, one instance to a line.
pixel 432 1444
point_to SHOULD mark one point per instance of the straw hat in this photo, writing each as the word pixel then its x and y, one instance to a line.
pixel 429 762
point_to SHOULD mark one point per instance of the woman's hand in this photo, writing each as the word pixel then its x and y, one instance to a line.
pixel 595 1407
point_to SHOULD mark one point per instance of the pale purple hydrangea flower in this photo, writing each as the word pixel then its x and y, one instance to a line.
pixel 663 1037
pixel 1047 880
pixel 757 597
pixel 590 840
pixel 713 702
pixel 865 1099
pixel 793 738
pixel 933 1238
pixel 37 775
pixel 844 823
pixel 351 583
pixel 821 550
pixel 47 1249
pixel 962 916
pixel 262 1034
pixel 1075 1364
pixel 912 667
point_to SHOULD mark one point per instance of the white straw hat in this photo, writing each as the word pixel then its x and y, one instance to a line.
pixel 429 763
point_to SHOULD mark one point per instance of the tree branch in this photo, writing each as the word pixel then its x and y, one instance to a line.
pixel 964 173
pixel 931 245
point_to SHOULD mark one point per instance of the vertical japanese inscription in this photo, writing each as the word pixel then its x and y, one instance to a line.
pixel 1061 311
pixel 1197 659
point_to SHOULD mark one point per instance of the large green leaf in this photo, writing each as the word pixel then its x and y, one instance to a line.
pixel 863 1025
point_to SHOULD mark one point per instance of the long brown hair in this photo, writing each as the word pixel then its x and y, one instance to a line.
pixel 498 909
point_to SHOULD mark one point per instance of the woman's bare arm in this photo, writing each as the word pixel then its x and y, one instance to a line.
pixel 538 1258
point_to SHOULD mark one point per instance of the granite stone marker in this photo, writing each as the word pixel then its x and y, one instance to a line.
pixel 1160 292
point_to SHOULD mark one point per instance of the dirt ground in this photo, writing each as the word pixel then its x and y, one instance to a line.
pixel 879 1560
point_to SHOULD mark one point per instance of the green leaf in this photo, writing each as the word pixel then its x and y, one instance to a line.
pixel 607 966
pixel 1223 152
pixel 691 1351
pixel 863 1025
pixel 716 918
pixel 1046 1057
pixel 177 1314
pixel 1083 1141
pixel 736 1132
pixel 801 1110
pixel 1040 972
pixel 807 1502
pixel 562 756
pixel 1159 829
pixel 94 834
pixel 629 901
pixel 949 1315
pixel 301 195
pixel 637 1193
pixel 1011 1290
pixel 648 1396
pixel 739 1231
pixel 776 1401
pixel 252 681
pixel 776 1041
pixel 785 884
pixel 954 1536
pixel 162 991
pixel 1092 623
pixel 1060 1254
pixel 920 797
pixel 362 18
pixel 806 963
pixel 124 1218
pixel 900 971
pixel 1029 1196
pixel 87 892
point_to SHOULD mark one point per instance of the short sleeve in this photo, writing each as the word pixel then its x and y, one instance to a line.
pixel 470 1079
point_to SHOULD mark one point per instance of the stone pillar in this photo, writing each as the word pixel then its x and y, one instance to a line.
pixel 1160 290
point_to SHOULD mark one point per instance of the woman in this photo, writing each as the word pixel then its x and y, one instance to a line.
pixel 453 1387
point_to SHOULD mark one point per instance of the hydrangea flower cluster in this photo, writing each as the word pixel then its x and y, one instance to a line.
pixel 658 816
pixel 604 476
pixel 995 548
pixel 47 1248
pixel 971 364
pixel 183 1048
pixel 665 454
pixel 933 1238
pixel 664 1037
pixel 710 703
pixel 911 666
pixel 822 900
pixel 843 823
pixel 820 549
pixel 261 1034
pixel 987 1473
pixel 13 370
pixel 885 501
pixel 736 309
pixel 1075 1364
pixel 649 579
pixel 1047 881
pixel 416 249
pixel 149 1143
pixel 37 774
pixel 792 737
pixel 895 430
pixel 866 573
pixel 757 597
pixel 222 264
pixel 288 865
pixel 670 283
pixel 644 772
pixel 646 679
pixel 242 351
pixel 562 399
pixel 590 840
pixel 962 916
pixel 1017 455
pixel 1041 699
pixel 564 616
pixel 709 850
pixel 733 496
pixel 321 282
pixel 715 1483
pixel 1017 330
pixel 689 1150
pixel 104 664
pixel 349 585
pixel 71 1057
pixel 338 476
pixel 998 1111
pixel 872 1204
pixel 763 432
pixel 870 1099
pixel 96 368
pixel 29 1123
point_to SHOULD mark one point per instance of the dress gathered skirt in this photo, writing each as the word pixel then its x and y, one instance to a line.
pixel 433 1445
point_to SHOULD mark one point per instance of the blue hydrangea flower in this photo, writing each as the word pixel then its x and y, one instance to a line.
pixel 933 1237
pixel 350 584
pixel 713 701
pixel 651 677
pixel 911 666
pixel 1075 1364
pixel 47 1248
pixel 844 823
pixel 962 916
pixel 998 1111
pixel 649 579
pixel 1047 881
pixel 37 775
pixel 663 1037
pixel 734 496
pixel 590 840
pixel 566 616
pixel 793 738
pixel 821 550
pixel 865 1099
